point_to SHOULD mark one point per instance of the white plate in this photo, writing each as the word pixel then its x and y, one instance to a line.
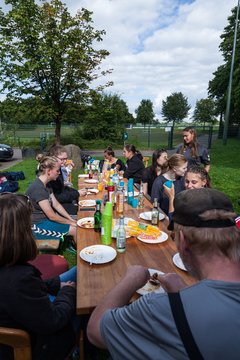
pixel 86 220
pixel 163 237
pixel 86 203
pixel 116 226
pixel 91 181
pixel 98 254
pixel 178 262
pixel 136 193
pixel 149 288
pixel 148 216
pixel 92 191
pixel 83 176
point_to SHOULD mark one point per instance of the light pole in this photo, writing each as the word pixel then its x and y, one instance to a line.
pixel 226 118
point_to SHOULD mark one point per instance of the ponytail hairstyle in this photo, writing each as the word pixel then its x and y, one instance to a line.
pixel 46 163
pixel 194 142
pixel 174 161
pixel 156 154
pixel 199 170
pixel 109 151
pixel 132 148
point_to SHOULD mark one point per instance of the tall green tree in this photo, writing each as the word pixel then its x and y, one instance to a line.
pixel 205 112
pixel 175 108
pixel 218 86
pixel 144 112
pixel 47 53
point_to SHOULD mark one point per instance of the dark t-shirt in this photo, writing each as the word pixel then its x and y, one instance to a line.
pixel 134 169
pixel 201 158
pixel 148 177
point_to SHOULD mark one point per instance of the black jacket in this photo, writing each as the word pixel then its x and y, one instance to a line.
pixel 63 194
pixel 134 169
pixel 24 304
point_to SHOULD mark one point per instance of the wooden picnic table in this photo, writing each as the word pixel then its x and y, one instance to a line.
pixel 96 280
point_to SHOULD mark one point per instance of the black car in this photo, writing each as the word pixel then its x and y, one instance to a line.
pixel 6 152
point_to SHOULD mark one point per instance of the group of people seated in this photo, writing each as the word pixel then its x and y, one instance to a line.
pixel 206 236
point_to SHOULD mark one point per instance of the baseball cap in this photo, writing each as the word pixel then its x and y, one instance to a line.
pixel 190 204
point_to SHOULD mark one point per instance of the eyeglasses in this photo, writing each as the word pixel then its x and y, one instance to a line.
pixel 62 159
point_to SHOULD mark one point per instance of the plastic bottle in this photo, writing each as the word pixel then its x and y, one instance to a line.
pixel 120 198
pixel 155 213
pixel 98 217
pixel 130 191
pixel 90 174
pixel 121 236
pixel 111 191
pixel 106 231
pixel 141 198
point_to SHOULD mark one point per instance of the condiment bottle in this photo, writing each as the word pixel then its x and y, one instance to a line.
pixel 121 236
pixel 106 231
pixel 90 174
pixel 120 198
pixel 98 217
pixel 111 190
pixel 155 213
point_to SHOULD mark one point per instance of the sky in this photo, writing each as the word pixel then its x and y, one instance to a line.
pixel 159 46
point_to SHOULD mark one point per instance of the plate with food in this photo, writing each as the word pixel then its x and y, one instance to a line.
pixel 115 226
pixel 87 203
pixel 147 215
pixel 152 238
pixel 91 181
pixel 92 191
pixel 153 284
pixel 86 223
pixel 83 176
pixel 178 262
pixel 98 254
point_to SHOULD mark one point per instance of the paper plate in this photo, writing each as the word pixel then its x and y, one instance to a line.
pixel 98 254
pixel 91 181
pixel 147 238
pixel 178 262
pixel 92 191
pixel 83 176
pixel 87 203
pixel 86 223
pixel 147 215
pixel 149 288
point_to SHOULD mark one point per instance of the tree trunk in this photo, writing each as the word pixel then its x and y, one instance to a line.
pixel 58 129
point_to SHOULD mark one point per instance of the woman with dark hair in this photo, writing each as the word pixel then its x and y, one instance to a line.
pixel 134 164
pixel 25 302
pixel 159 158
pixel 48 213
pixel 174 172
pixel 195 153
pixel 111 160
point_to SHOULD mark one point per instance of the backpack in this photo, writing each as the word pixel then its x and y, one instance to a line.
pixel 9 186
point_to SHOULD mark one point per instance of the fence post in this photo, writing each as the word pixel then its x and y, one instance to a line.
pixel 170 138
pixel 210 133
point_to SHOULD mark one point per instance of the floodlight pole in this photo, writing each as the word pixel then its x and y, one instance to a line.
pixel 226 118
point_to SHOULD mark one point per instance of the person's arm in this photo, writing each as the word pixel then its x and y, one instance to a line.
pixel 145 188
pixel 170 192
pixel 51 215
pixel 172 282
pixel 207 168
pixel 119 296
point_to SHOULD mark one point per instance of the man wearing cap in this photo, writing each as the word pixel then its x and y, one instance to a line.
pixel 198 322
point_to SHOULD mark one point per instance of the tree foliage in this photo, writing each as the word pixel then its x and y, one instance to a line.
pixel 48 54
pixel 205 111
pixel 218 86
pixel 175 108
pixel 144 112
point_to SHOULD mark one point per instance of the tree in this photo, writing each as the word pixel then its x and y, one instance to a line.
pixel 175 108
pixel 218 86
pixel 48 54
pixel 205 111
pixel 145 114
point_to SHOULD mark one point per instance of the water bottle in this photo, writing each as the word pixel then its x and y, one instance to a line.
pixel 121 236
pixel 130 191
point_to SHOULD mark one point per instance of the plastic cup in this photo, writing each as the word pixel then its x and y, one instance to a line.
pixel 134 203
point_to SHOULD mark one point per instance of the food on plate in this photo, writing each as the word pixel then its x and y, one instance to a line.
pixel 135 228
pixel 88 224
pixel 154 280
pixel 87 202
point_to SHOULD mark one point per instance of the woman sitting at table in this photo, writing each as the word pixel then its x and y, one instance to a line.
pixel 134 164
pixel 159 158
pixel 48 213
pixel 176 167
pixel 25 302
pixel 110 160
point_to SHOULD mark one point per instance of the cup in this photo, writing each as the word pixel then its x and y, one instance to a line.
pixel 134 203
pixel 100 186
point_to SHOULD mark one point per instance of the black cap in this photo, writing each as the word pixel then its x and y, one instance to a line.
pixel 190 204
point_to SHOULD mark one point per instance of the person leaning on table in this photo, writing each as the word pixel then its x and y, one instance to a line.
pixel 208 241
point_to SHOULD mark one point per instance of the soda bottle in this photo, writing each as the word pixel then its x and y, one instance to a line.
pixel 111 191
pixel 90 174
pixel 98 217
pixel 155 213
pixel 121 236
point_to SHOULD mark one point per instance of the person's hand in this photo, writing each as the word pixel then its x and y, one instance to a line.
pixel 138 275
pixel 82 192
pixel 170 192
pixel 68 283
pixel 171 282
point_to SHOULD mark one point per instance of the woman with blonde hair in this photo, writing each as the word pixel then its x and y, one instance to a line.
pixel 48 213
pixel 175 168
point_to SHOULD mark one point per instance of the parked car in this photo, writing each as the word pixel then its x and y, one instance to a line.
pixel 6 152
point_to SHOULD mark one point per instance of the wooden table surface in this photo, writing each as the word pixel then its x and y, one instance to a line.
pixel 94 281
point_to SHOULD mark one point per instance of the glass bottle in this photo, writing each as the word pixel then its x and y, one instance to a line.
pixel 121 236
pixel 90 174
pixel 98 217
pixel 155 213
pixel 120 198
pixel 111 192
pixel 141 198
